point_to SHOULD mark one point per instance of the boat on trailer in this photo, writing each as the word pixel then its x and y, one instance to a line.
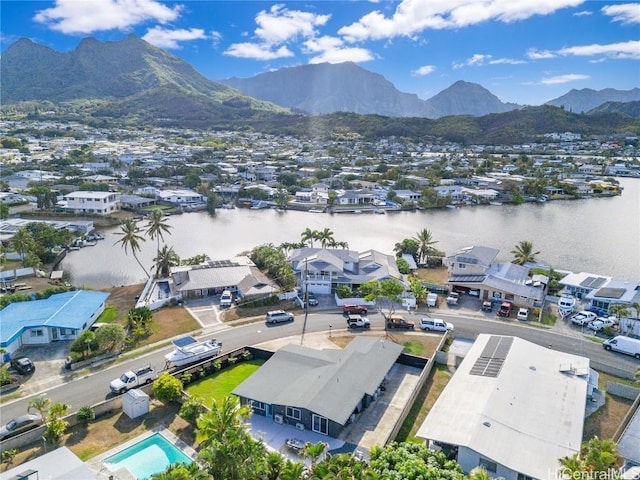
pixel 188 350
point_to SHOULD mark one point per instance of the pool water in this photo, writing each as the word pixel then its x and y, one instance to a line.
pixel 147 457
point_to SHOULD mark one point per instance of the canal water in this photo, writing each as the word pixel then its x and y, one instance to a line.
pixel 598 235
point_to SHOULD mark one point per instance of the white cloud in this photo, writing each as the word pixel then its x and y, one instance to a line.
pixel 163 38
pixel 257 51
pixel 506 61
pixel 623 13
pixel 423 70
pixel 583 13
pixel 559 79
pixel 280 25
pixel 414 16
pixel 622 50
pixel 332 50
pixel 534 54
pixel 476 60
pixel 276 27
pixel 84 17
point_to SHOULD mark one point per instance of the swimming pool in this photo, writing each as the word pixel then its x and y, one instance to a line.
pixel 151 455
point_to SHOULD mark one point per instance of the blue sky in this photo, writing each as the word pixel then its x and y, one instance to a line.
pixel 523 51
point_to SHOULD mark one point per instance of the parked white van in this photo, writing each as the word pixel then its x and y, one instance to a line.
pixel 226 299
pixel 622 344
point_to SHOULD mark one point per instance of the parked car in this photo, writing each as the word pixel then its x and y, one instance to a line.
pixel 358 321
pixel 505 309
pixel 523 314
pixel 350 308
pixel 279 316
pixel 583 318
pixel 312 300
pixel 133 378
pixel 487 306
pixel 397 321
pixel 23 365
pixel 452 298
pixel 602 322
pixel 19 425
pixel 435 325
pixel 226 299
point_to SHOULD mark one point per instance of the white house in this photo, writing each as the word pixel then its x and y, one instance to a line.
pixel 180 197
pixel 512 407
pixel 101 203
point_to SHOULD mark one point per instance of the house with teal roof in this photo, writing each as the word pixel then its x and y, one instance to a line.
pixel 63 316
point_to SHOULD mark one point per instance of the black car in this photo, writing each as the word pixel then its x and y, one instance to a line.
pixel 23 365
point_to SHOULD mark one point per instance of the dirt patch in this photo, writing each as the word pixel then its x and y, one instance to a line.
pixel 111 430
pixel 427 343
pixel 437 276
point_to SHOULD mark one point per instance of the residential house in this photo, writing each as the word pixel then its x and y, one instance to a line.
pixel 63 316
pixel 325 269
pixel 408 195
pixel 100 203
pixel 320 390
pixel 613 292
pixel 475 268
pixel 356 197
pixel 512 407
pixel 239 275
pixel 581 284
pixel 180 197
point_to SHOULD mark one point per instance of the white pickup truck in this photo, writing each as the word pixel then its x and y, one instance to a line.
pixel 453 297
pixel 133 379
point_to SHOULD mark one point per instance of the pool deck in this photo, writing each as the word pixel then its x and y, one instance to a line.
pixel 102 471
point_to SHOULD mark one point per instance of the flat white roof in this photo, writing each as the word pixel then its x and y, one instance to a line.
pixel 526 417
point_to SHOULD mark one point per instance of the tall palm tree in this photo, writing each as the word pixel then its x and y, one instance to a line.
pixel 425 244
pixel 523 253
pixel 131 238
pixel 22 242
pixel 309 236
pixel 166 259
pixel 156 228
pixel 325 237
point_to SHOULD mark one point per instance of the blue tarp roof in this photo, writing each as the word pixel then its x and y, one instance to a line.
pixel 63 310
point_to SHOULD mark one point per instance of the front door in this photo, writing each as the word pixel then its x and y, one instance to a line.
pixel 54 334
pixel 269 411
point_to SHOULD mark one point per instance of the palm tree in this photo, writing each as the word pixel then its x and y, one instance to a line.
pixel 22 242
pixel 313 451
pixel 292 471
pixel 523 253
pixel 40 404
pixel 425 244
pixel 325 237
pixel 479 473
pixel 166 259
pixel 182 471
pixel 131 238
pixel 309 236
pixel 156 228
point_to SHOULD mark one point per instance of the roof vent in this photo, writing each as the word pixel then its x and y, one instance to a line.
pixel 486 424
pixel 532 368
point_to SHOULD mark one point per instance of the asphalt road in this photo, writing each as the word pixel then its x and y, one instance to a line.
pixel 94 388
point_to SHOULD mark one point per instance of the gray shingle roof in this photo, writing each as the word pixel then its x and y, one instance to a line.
pixel 328 382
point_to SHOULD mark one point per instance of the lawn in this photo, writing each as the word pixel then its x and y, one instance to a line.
pixel 219 385
pixel 413 348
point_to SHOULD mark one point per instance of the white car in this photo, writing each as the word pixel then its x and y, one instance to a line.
pixel 583 318
pixel 523 314
pixel 602 322
pixel 435 325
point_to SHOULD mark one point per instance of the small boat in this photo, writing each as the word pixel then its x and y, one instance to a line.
pixel 495 203
pixel 357 211
pixel 542 198
pixel 379 212
pixel 316 210
pixel 188 350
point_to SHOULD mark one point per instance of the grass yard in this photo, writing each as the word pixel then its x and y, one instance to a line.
pixel 413 348
pixel 220 384
pixel 436 276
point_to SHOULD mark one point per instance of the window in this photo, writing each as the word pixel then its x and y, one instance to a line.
pixel 37 333
pixel 63 331
pixel 293 413
pixel 258 405
pixel 462 265
pixel 521 476
pixel 488 465
pixel 320 424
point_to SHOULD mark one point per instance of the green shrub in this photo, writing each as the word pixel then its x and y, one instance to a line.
pixel 5 376
pixel 167 388
pixel 86 414
pixel 191 409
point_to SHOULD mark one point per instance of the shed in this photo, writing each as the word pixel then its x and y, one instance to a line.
pixel 135 403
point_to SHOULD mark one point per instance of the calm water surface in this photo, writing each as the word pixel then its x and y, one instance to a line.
pixel 594 235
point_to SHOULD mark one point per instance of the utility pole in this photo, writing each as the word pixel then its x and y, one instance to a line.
pixel 305 297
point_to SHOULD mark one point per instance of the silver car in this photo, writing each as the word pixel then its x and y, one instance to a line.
pixel 20 425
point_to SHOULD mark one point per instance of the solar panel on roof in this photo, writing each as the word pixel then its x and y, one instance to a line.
pixel 492 357
pixel 610 292
pixel 592 282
